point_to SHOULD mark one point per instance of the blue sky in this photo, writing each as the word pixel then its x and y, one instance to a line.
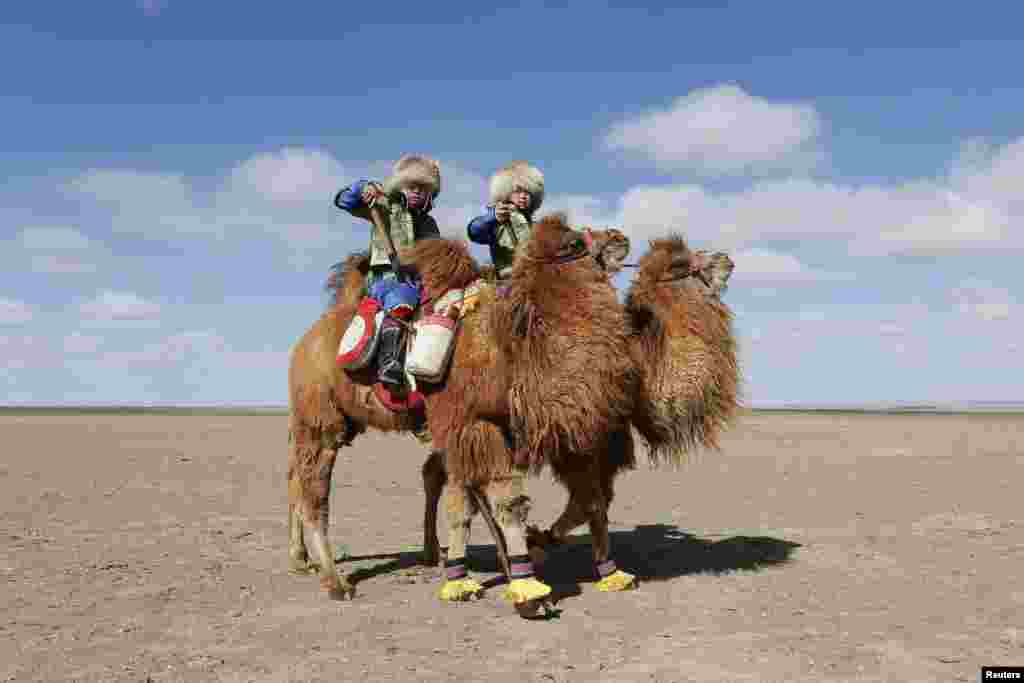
pixel 165 216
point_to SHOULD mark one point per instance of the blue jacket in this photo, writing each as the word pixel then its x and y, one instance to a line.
pixel 350 199
pixel 484 228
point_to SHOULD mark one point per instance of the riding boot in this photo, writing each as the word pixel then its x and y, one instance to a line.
pixel 390 361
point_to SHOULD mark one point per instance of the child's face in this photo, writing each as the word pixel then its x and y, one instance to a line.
pixel 416 196
pixel 520 198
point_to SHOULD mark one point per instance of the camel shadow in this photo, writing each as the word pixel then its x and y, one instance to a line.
pixel 661 552
pixel 371 566
pixel 652 552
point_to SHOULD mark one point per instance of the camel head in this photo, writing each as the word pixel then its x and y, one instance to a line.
pixel 684 342
pixel 553 242
pixel 609 247
pixel 671 263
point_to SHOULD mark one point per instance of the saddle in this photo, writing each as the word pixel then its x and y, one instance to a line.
pixel 429 345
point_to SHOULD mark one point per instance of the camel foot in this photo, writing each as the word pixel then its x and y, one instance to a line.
pixel 525 590
pixel 531 608
pixel 460 590
pixel 341 590
pixel 617 581
pixel 301 566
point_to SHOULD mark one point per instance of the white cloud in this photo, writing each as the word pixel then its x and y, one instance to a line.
pixel 972 207
pixel 81 343
pixel 25 351
pixel 722 130
pixel 14 312
pixel 173 349
pixel 113 306
pixel 54 250
pixel 152 8
pixel 283 196
pixel 981 299
pixel 290 174
pixel 760 265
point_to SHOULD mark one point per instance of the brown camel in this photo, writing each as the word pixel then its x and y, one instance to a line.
pixel 682 343
pixel 573 357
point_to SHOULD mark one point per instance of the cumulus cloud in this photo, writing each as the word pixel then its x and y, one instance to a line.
pixel 55 250
pixel 119 306
pixel 14 312
pixel 982 300
pixel 172 349
pixel 972 207
pixel 288 175
pixel 152 8
pixel 760 265
pixel 722 130
pixel 78 343
pixel 283 195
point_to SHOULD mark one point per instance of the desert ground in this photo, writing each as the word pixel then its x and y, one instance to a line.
pixel 813 547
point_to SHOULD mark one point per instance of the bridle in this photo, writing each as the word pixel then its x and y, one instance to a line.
pixel 588 238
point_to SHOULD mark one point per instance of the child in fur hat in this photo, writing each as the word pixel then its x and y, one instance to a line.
pixel 408 197
pixel 516 192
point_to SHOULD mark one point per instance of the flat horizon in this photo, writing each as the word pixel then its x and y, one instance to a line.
pixel 937 407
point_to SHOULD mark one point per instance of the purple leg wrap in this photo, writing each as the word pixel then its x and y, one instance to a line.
pixel 606 568
pixel 522 567
pixel 454 569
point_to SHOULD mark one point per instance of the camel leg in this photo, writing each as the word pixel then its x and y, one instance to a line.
pixel 312 463
pixel 610 577
pixel 298 556
pixel 433 486
pixel 507 496
pixel 458 585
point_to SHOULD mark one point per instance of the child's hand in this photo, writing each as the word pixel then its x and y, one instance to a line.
pixel 371 192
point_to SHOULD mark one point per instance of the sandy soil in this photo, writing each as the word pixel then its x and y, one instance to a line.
pixel 815 547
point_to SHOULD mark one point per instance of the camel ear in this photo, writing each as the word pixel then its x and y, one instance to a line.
pixel 719 268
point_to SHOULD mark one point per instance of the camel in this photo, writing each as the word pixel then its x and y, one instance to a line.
pixel 682 343
pixel 575 357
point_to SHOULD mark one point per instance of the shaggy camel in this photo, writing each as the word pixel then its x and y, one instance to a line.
pixel 573 357
pixel 682 342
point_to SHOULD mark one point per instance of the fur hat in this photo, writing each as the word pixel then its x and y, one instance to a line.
pixel 414 168
pixel 514 175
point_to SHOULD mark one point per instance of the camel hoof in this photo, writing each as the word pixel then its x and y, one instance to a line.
pixel 303 567
pixel 343 591
pixel 529 608
pixel 617 581
pixel 460 590
pixel 525 590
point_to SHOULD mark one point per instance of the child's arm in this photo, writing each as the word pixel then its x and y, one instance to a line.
pixel 482 228
pixel 350 199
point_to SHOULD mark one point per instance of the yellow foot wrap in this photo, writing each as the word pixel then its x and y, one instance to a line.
pixel 524 590
pixel 460 590
pixel 616 581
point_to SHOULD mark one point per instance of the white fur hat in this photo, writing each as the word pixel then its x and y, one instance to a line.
pixel 518 174
pixel 414 168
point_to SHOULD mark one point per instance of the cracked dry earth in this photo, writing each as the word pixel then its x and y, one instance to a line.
pixel 815 547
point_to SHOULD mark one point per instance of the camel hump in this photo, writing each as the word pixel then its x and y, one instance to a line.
pixel 441 264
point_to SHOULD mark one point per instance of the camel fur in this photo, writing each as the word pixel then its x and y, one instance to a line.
pixel 479 416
